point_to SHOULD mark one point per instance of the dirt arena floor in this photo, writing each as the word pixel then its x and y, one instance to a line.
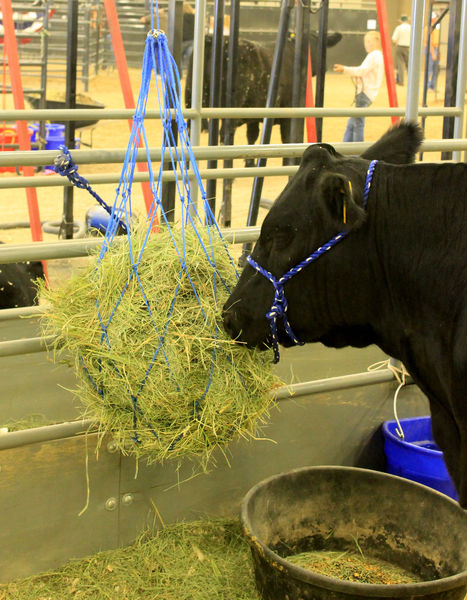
pixel 105 88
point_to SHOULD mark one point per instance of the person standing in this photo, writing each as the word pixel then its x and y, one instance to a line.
pixel 433 55
pixel 367 79
pixel 401 40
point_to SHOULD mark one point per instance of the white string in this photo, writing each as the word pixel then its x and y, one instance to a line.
pixel 398 429
pixel 400 373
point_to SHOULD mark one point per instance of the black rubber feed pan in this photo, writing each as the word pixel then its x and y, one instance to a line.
pixel 34 102
pixel 328 508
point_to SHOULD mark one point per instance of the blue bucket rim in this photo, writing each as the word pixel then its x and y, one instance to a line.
pixel 413 447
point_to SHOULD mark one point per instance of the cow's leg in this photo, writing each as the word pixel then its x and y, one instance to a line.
pixel 252 133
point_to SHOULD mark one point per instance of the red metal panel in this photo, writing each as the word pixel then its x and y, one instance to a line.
pixel 128 98
pixel 387 54
pixel 21 126
pixel 310 121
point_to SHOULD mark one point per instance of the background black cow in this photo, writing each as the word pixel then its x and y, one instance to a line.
pixel 252 80
pixel 17 286
pixel 398 280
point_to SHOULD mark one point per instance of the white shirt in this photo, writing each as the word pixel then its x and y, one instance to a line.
pixel 369 74
pixel 401 35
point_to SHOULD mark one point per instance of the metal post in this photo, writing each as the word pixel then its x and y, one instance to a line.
pixel 413 76
pixel 44 56
pixel 321 64
pixel 98 14
pixel 66 226
pixel 462 76
pixel 87 47
pixel 197 84
pixel 451 69
pixel 231 76
pixel 268 122
pixel 127 91
pixel 11 48
pixel 217 60
pixel 387 54
pixel 174 40
pixel 299 72
pixel 430 29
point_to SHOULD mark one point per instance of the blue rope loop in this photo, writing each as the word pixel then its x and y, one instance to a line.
pixel 279 305
pixel 369 177
pixel 278 308
pixel 65 166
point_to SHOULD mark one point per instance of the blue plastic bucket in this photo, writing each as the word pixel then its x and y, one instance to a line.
pixel 98 219
pixel 33 132
pixel 417 457
pixel 54 138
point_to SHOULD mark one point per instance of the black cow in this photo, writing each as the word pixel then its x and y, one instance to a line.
pixel 254 63
pixel 17 286
pixel 398 280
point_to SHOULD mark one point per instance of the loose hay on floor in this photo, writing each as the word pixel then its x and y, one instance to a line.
pixel 160 409
pixel 187 561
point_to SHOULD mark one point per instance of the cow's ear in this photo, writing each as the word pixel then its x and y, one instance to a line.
pixel 336 200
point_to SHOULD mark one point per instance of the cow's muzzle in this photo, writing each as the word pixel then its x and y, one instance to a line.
pixel 254 337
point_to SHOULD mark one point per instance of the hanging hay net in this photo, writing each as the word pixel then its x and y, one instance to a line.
pixel 143 322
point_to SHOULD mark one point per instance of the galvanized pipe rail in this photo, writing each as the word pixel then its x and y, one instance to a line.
pixel 117 155
pixel 10 253
pixel 103 178
pixel 91 114
pixel 47 433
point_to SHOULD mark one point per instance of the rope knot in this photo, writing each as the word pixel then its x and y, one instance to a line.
pixel 279 305
pixel 181 124
pixel 278 308
pixel 157 34
pixel 63 163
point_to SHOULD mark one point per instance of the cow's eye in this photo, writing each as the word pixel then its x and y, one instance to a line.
pixel 283 237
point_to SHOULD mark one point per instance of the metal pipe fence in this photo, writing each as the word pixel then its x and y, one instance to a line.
pixel 81 248
pixel 117 155
pixel 91 114
pixel 47 433
pixel 10 253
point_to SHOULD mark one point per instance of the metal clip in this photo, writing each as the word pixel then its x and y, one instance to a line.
pixel 155 33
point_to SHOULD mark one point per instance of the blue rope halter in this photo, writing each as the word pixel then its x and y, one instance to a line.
pixel 279 304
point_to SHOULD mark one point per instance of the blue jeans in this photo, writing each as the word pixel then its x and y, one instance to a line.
pixel 433 70
pixel 356 125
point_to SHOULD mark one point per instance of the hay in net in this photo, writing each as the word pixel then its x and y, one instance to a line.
pixel 164 378
pixel 142 324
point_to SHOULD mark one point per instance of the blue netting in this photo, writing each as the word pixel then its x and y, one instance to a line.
pixel 160 68
pixel 156 368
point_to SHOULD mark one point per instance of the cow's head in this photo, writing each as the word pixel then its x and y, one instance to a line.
pixel 323 198
pixel 332 39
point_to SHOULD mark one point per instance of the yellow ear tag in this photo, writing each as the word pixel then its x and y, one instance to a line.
pixel 344 212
